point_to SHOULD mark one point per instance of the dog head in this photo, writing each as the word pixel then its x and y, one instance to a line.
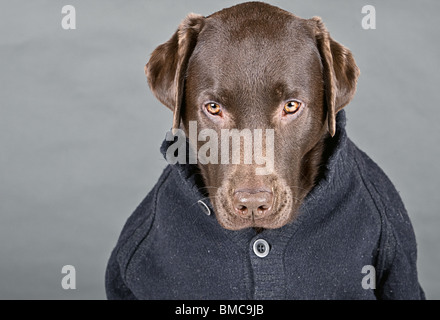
pixel 276 79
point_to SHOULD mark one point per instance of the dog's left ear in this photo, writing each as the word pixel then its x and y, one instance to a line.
pixel 340 72
pixel 167 66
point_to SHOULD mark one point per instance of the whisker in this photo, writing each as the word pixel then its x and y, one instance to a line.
pixel 297 187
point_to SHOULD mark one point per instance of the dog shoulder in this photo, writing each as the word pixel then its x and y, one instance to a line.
pixel 382 191
pixel 397 233
pixel 397 246
pixel 139 224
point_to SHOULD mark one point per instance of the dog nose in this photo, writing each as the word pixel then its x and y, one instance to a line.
pixel 256 203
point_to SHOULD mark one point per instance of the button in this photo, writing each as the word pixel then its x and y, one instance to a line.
pixel 261 248
pixel 204 207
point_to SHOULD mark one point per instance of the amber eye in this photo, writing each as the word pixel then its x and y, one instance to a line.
pixel 213 108
pixel 292 106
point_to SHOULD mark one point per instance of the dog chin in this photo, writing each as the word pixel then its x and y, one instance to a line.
pixel 232 223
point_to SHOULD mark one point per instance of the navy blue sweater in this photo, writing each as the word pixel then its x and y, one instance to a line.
pixel 170 248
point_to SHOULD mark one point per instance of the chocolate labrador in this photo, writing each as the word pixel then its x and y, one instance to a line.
pixel 323 221
pixel 265 68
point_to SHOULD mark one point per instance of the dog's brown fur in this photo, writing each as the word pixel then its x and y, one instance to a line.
pixel 250 59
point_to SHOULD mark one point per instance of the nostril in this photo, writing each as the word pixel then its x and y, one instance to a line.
pixel 242 210
pixel 262 209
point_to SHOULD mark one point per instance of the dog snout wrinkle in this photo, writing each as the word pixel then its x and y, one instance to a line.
pixel 254 204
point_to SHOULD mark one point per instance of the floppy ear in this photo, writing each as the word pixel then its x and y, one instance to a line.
pixel 340 73
pixel 167 66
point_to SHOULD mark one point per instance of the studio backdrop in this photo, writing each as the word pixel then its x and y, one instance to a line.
pixel 80 131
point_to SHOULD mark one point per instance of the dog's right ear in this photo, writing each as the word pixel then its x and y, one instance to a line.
pixel 167 66
pixel 340 72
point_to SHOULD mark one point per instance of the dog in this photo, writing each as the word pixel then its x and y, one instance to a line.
pixel 324 222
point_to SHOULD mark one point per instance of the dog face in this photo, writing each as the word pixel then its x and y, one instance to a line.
pixel 254 66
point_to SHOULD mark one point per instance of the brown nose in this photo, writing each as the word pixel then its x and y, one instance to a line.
pixel 249 202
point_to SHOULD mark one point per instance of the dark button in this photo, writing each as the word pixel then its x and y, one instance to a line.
pixel 261 248
pixel 204 207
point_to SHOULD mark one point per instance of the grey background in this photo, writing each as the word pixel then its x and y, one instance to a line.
pixel 80 131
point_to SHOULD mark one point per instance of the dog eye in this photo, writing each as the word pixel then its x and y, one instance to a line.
pixel 213 108
pixel 292 106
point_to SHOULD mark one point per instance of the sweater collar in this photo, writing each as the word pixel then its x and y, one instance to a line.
pixel 192 183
